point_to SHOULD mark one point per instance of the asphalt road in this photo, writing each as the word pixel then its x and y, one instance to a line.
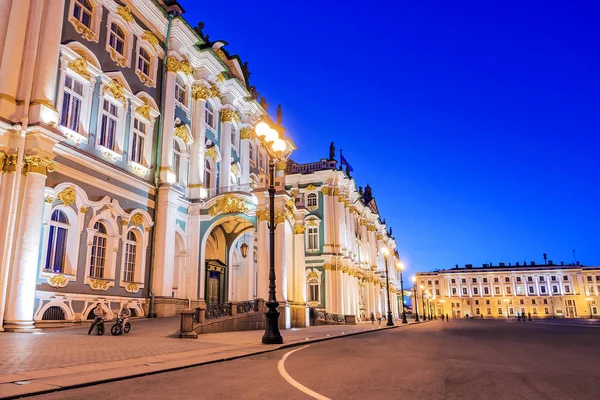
pixel 438 360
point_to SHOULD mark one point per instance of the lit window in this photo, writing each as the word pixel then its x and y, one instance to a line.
pixel 117 38
pixel 98 260
pixel 180 90
pixel 313 238
pixel 209 116
pixel 130 254
pixel 82 11
pixel 314 290
pixel 144 61
pixel 176 161
pixel 108 129
pixel 499 310
pixel 137 141
pixel 311 200
pixel 454 291
pixel 57 242
pixel 71 105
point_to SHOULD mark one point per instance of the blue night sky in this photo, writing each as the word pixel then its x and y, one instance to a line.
pixel 475 122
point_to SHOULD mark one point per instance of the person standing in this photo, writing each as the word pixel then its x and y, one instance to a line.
pixel 124 314
pixel 372 319
pixel 446 317
pixel 99 315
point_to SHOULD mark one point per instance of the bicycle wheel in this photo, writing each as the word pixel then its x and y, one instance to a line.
pixel 127 327
pixel 116 329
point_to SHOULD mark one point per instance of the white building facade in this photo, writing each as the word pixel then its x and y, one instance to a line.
pixel 505 291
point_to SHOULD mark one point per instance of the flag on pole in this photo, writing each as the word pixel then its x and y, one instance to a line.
pixel 343 161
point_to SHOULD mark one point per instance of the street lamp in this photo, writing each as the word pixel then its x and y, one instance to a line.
pixel 428 302
pixel 400 268
pixel 507 314
pixel 415 302
pixel 275 146
pixel 423 301
pixel 589 300
pixel 385 251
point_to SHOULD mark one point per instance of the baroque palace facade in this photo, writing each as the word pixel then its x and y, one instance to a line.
pixel 505 291
pixel 130 175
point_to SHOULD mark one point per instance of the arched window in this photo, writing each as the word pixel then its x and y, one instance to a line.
pixel 176 161
pixel 207 174
pixel 209 115
pixel 98 260
pixel 130 257
pixel 311 200
pixel 136 153
pixel 108 127
pixel 72 103
pixel 117 38
pixel 314 290
pixel 82 11
pixel 144 61
pixel 57 242
pixel 180 90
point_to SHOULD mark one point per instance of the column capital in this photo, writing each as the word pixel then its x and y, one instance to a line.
pixel 228 115
pixel 200 92
pixel 37 165
pixel 299 229
pixel 246 133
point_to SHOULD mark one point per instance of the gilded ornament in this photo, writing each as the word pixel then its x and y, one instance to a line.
pixel 326 191
pixel 145 79
pixel 246 133
pixel 341 198
pixel 346 203
pixel 132 287
pixel 125 13
pixel 37 165
pixel 289 204
pixel 185 67
pixel 221 54
pixel 99 284
pixel 228 204
pixel 310 187
pixel 80 65
pixel 214 91
pixel 67 196
pixel 235 169
pixel 147 229
pixel 151 38
pixel 262 215
pixel 200 91
pixel 371 228
pixel 281 165
pixel 118 58
pixel 220 77
pixel 336 192
pixel 83 30
pixel 295 192
pixel 228 115
pixel 279 218
pixel 183 133
pixel 299 229
pixel 58 281
pixel 379 236
pixel 49 199
pixel 137 219
pixel 3 157
pixel 124 222
pixel 172 64
pixel 312 275
pixel 144 110
pixel 211 152
pixel 115 89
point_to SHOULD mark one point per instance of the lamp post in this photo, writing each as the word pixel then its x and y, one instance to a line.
pixel 385 251
pixel 276 149
pixel 589 301
pixel 415 302
pixel 423 301
pixel 400 268
pixel 507 314
pixel 428 304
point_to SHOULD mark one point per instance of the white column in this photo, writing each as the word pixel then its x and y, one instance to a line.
pixel 263 258
pixel 300 295
pixel 329 277
pixel 225 168
pixel 164 242
pixel 327 220
pixel 168 121
pixel 21 295
pixel 194 252
pixel 14 47
pixel 44 83
pixel 196 177
pixel 245 135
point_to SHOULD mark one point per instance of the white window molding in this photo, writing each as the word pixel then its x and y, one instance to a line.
pixel 114 96
pixel 312 234
pixel 313 286
pixel 133 259
pixel 69 270
pixel 312 200
pixel 145 110
pixel 119 52
pixel 107 278
pixel 180 161
pixel 90 31
pixel 150 60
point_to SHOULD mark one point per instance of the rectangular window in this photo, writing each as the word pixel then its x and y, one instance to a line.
pixel 522 301
pixel 508 290
pixel 437 282
pixel 553 278
pixel 529 279
pixel 313 238
pixel 437 292
pixel 313 291
pixel 108 130
pixel 518 279
pixel 71 106
pixel 429 283
pixel 453 291
pixel 543 289
pixel 512 311
pixel 129 262
pixel 567 289
pixel 261 159
pixel 542 279
pixel 554 289
pixel 534 310
pixel 476 302
pixel 489 311
pixel 464 290
pixel 486 290
pixel 475 290
pixel 463 280
pixel 495 280
pixel 520 290
pixel 137 141
pixel 484 280
pixel 500 310
pixel 487 302
pixel 545 301
pixel 474 280
pixel 530 289
pixel 251 151
pixel 546 310
pixel 507 279
pixel 532 301
pixel 565 278
pixel 497 290
pixel 477 311
pixel 453 281
pixel 589 278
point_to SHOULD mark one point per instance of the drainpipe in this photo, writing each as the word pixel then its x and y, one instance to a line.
pixel 151 312
pixel 32 42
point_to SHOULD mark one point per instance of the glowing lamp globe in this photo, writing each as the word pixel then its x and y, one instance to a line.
pixel 278 145
pixel 385 251
pixel 271 135
pixel 262 128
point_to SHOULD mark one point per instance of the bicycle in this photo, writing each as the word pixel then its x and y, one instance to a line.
pixel 118 328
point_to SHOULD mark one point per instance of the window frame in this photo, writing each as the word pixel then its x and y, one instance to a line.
pixel 54 227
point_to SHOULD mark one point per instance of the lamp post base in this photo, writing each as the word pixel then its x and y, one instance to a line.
pixel 272 334
pixel 404 321
pixel 417 318
pixel 390 320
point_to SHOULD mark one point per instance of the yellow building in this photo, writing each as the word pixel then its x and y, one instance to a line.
pixel 506 291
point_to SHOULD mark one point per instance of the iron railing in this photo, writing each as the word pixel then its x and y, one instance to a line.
pixel 244 307
pixel 218 310
pixel 322 315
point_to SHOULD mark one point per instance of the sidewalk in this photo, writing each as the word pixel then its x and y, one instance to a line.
pixel 67 358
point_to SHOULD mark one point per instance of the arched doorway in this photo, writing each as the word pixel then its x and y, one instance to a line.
pixel 228 274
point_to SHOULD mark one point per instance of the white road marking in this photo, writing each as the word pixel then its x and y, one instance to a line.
pixel 291 381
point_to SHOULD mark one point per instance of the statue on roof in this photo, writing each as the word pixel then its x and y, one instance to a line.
pixel 279 115
pixel 254 93
pixel 360 190
pixel 263 103
pixel 348 171
pixel 331 152
pixel 246 71
pixel 199 30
